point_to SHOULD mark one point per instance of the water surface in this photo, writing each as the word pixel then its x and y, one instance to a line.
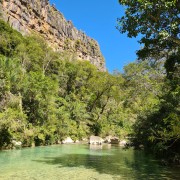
pixel 81 162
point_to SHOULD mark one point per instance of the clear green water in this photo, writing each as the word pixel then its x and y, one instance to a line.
pixel 81 162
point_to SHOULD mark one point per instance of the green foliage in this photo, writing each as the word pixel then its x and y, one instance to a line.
pixel 156 21
pixel 9 39
pixel 12 124
pixel 52 96
pixel 157 126
pixel 159 130
pixel 158 25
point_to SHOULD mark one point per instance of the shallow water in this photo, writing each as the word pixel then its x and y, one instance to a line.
pixel 81 162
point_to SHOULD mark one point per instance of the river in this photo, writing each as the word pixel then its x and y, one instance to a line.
pixel 81 162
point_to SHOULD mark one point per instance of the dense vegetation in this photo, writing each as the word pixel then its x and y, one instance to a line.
pixel 157 22
pixel 46 96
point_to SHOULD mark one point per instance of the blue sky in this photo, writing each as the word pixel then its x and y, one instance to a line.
pixel 97 18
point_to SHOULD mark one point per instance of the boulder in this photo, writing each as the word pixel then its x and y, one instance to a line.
pixel 123 143
pixel 95 140
pixel 67 140
pixel 16 143
pixel 115 140
pixel 84 139
pixel 76 141
pixel 108 139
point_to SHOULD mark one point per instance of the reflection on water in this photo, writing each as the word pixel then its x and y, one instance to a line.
pixel 95 147
pixel 81 162
pixel 99 147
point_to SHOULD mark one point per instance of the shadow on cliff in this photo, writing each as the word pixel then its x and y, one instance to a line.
pixel 133 165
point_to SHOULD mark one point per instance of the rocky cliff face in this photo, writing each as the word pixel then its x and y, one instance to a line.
pixel 39 16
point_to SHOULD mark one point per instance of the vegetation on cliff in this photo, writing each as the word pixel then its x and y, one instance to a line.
pixel 29 16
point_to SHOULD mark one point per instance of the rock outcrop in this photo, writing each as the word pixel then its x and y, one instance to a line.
pixel 39 16
pixel 108 139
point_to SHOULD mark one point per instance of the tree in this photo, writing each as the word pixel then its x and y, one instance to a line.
pixel 158 24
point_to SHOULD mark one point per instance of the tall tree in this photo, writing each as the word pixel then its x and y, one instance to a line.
pixel 158 24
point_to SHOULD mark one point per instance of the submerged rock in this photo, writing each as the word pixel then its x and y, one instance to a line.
pixel 95 147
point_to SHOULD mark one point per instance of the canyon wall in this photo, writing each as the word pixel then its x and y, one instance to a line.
pixel 38 16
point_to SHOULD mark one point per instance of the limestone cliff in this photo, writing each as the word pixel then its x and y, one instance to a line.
pixel 39 16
